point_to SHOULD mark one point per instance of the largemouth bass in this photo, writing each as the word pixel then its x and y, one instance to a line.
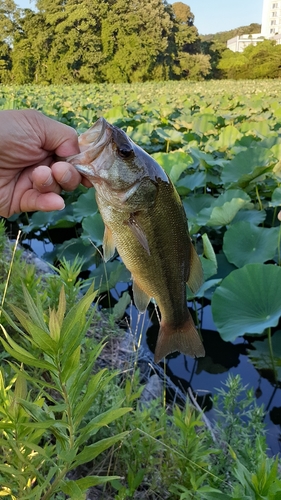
pixel 145 220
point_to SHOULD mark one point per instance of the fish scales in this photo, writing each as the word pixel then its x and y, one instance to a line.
pixel 159 273
pixel 145 220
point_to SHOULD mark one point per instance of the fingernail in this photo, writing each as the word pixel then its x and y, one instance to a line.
pixel 62 207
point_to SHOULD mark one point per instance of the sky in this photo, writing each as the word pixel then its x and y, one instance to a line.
pixel 212 16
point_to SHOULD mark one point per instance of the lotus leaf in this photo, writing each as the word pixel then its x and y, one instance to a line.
pixel 248 301
pixel 245 243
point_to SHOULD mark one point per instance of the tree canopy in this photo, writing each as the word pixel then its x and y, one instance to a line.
pixel 257 61
pixel 68 41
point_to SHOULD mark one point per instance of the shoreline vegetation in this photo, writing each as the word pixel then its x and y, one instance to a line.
pixel 74 423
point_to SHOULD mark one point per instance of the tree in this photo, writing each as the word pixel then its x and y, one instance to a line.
pixel 187 38
pixel 260 61
pixel 73 29
pixel 137 36
pixel 189 62
pixel 8 26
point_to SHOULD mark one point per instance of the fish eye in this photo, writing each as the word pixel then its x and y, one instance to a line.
pixel 125 152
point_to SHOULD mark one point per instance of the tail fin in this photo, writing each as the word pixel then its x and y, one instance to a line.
pixel 185 339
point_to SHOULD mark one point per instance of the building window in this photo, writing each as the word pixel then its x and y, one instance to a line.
pixel 275 5
pixel 274 14
pixel 273 22
pixel 272 31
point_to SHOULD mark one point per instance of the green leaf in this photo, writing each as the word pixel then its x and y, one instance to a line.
pixel 141 133
pixel 71 364
pixel 195 203
pixel 94 386
pixel 259 128
pixel 92 451
pixel 247 165
pixel 228 137
pixel 88 482
pixel 276 198
pixel 247 301
pixel 208 249
pixel 170 134
pixel 174 163
pixel 232 200
pixel 71 249
pixel 245 243
pixel 84 372
pixel 24 356
pixel 191 181
pixel 104 419
pixel 121 306
pixel 85 205
pixel 209 493
pixel 106 276
pixel 250 215
pixel 93 228
pixel 204 123
pixel 115 113
pixel 209 268
pixel 72 489
pixel 34 311
pixel 222 216
pixel 261 356
pixel 40 338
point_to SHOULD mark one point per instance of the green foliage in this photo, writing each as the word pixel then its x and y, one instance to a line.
pixel 247 301
pixel 251 474
pixel 260 61
pixel 223 36
pixel 66 424
pixel 56 408
pixel 70 42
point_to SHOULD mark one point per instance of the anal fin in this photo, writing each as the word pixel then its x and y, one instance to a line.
pixel 196 277
pixel 141 298
pixel 108 244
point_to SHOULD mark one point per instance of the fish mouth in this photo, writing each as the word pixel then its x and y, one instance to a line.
pixel 91 143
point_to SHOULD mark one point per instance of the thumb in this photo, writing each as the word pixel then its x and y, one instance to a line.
pixel 55 136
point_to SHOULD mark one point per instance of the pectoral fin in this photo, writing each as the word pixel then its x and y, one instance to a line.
pixel 140 297
pixel 108 244
pixel 138 232
pixel 195 278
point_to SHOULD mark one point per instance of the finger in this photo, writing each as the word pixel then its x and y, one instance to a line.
pixel 55 136
pixel 43 180
pixel 32 200
pixel 66 175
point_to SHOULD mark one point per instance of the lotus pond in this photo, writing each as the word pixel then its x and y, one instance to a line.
pixel 220 142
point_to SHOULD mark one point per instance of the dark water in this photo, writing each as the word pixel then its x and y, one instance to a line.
pixel 208 374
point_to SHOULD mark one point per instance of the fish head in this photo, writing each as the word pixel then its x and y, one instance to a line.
pixel 113 163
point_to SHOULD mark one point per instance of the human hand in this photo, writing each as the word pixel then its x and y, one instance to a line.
pixel 30 177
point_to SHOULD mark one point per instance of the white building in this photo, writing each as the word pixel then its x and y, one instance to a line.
pixel 271 18
pixel 271 28
pixel 239 43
